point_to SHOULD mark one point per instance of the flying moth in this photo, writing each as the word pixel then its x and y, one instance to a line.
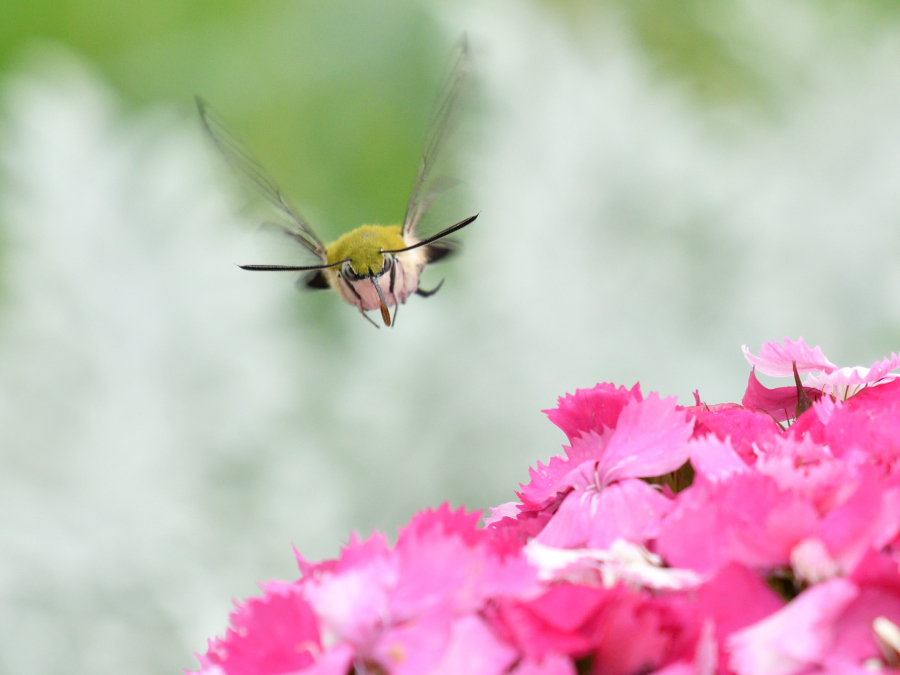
pixel 373 266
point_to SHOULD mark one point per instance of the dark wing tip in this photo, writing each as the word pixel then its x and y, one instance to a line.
pixel 440 250
pixel 314 280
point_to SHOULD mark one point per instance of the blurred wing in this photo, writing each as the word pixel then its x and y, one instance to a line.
pixel 246 165
pixel 425 189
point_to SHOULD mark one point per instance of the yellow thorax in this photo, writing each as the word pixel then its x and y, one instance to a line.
pixel 363 247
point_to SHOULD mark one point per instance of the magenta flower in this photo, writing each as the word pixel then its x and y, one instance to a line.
pixel 761 538
pixel 277 633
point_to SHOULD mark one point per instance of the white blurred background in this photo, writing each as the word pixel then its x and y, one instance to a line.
pixel 658 184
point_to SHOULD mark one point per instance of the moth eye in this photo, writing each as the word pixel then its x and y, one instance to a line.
pixel 347 271
pixel 388 263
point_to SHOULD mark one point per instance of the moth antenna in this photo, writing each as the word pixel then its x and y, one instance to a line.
pixel 291 268
pixel 440 235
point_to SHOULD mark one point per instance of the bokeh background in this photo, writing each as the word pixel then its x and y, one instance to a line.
pixel 659 182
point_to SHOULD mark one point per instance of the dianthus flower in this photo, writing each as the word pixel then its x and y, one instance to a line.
pixel 760 538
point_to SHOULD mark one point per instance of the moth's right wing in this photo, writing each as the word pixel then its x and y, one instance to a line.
pixel 426 185
pixel 247 166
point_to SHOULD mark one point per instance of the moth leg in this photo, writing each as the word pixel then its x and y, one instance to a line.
pixel 428 294
pixel 396 309
pixel 366 316
pixel 359 303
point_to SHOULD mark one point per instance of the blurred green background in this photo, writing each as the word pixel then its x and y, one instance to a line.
pixel 658 182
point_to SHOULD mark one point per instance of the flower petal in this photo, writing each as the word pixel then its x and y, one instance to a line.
pixel 795 637
pixel 778 360
pixel 841 382
pixel 592 409
pixel 630 509
pixel 780 402
pixel 650 440
pixel 274 634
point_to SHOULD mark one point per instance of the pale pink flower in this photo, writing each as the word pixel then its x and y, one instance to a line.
pixel 779 361
pixel 845 382
pixel 623 562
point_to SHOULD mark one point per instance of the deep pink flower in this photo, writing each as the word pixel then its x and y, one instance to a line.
pixel 732 600
pixel 446 564
pixel 551 664
pixel 592 409
pixel 869 421
pixel 780 403
pixel 745 428
pixel 623 630
pixel 277 633
pixel 567 619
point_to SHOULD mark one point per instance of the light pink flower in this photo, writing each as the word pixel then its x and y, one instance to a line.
pixel 831 627
pixel 715 458
pixel 474 649
pixel 606 500
pixel 440 645
pixel 409 607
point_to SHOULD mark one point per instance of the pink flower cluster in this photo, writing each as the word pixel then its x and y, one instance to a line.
pixel 758 539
